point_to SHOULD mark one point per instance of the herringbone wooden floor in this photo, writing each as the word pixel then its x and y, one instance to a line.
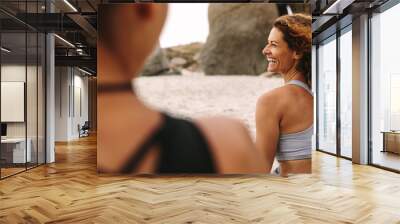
pixel 70 191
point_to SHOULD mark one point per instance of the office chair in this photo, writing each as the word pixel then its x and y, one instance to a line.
pixel 84 130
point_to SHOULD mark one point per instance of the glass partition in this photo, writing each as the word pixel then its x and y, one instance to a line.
pixel 41 87
pixel 32 88
pixel 346 93
pixel 327 96
pixel 22 88
pixel 14 154
pixel 385 89
pixel 31 100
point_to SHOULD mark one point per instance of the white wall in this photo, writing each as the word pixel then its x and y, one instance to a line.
pixel 13 101
pixel 33 126
pixel 71 93
pixel 62 80
pixel 13 73
pixel 16 73
pixel 9 73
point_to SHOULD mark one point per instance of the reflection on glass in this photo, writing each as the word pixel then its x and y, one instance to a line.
pixel 327 97
pixel 32 86
pixel 31 101
pixel 346 94
pixel 14 152
pixel 22 91
pixel 41 97
pixel 385 84
pixel 394 101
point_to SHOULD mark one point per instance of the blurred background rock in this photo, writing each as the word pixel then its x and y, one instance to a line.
pixel 237 35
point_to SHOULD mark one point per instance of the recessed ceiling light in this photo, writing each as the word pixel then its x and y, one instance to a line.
pixel 70 5
pixel 64 40
pixel 84 71
pixel 5 50
pixel 338 6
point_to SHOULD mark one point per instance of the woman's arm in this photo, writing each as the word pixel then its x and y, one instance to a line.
pixel 267 127
pixel 231 145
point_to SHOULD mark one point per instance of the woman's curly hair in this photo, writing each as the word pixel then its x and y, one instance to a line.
pixel 296 29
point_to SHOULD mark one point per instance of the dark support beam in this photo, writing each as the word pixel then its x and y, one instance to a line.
pixel 322 22
pixel 84 24
pixel 15 19
pixel 86 51
pixel 91 5
pixel 210 1
pixel 45 22
pixel 51 22
pixel 81 61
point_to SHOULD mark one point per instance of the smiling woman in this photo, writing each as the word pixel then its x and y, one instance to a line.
pixel 281 130
pixel 293 33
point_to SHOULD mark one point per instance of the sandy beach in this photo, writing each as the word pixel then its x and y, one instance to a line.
pixel 196 95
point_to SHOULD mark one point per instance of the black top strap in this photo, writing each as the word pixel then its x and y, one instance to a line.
pixel 134 161
pixel 183 149
pixel 115 87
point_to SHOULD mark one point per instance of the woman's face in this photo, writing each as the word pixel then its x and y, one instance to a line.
pixel 280 57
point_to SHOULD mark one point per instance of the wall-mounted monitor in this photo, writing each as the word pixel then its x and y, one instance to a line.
pixel 12 101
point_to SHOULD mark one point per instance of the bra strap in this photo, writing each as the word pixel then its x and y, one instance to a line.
pixel 136 158
pixel 115 88
pixel 300 84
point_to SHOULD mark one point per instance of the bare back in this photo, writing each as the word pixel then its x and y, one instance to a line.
pixel 296 109
pixel 284 110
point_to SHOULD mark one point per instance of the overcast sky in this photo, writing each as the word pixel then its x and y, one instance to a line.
pixel 186 23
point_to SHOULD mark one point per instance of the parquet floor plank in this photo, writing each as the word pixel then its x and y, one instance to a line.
pixel 71 191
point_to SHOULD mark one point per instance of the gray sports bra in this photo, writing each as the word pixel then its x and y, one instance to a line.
pixel 295 146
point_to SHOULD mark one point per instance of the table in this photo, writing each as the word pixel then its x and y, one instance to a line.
pixel 391 141
pixel 13 150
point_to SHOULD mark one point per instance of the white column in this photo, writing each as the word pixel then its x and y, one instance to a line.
pixel 50 91
pixel 360 90
pixel 314 90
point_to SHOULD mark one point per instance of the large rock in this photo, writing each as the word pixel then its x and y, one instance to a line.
pixel 184 56
pixel 156 64
pixel 238 33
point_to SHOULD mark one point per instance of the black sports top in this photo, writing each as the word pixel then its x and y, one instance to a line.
pixel 183 149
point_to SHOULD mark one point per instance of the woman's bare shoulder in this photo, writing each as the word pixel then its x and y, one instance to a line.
pixel 273 99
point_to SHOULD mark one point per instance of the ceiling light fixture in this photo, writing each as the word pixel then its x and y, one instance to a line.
pixel 64 40
pixel 337 7
pixel 84 71
pixel 79 51
pixel 5 50
pixel 70 5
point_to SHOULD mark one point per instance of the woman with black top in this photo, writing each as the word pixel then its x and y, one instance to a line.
pixel 134 138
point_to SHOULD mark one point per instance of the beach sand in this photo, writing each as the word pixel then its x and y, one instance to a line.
pixel 193 95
